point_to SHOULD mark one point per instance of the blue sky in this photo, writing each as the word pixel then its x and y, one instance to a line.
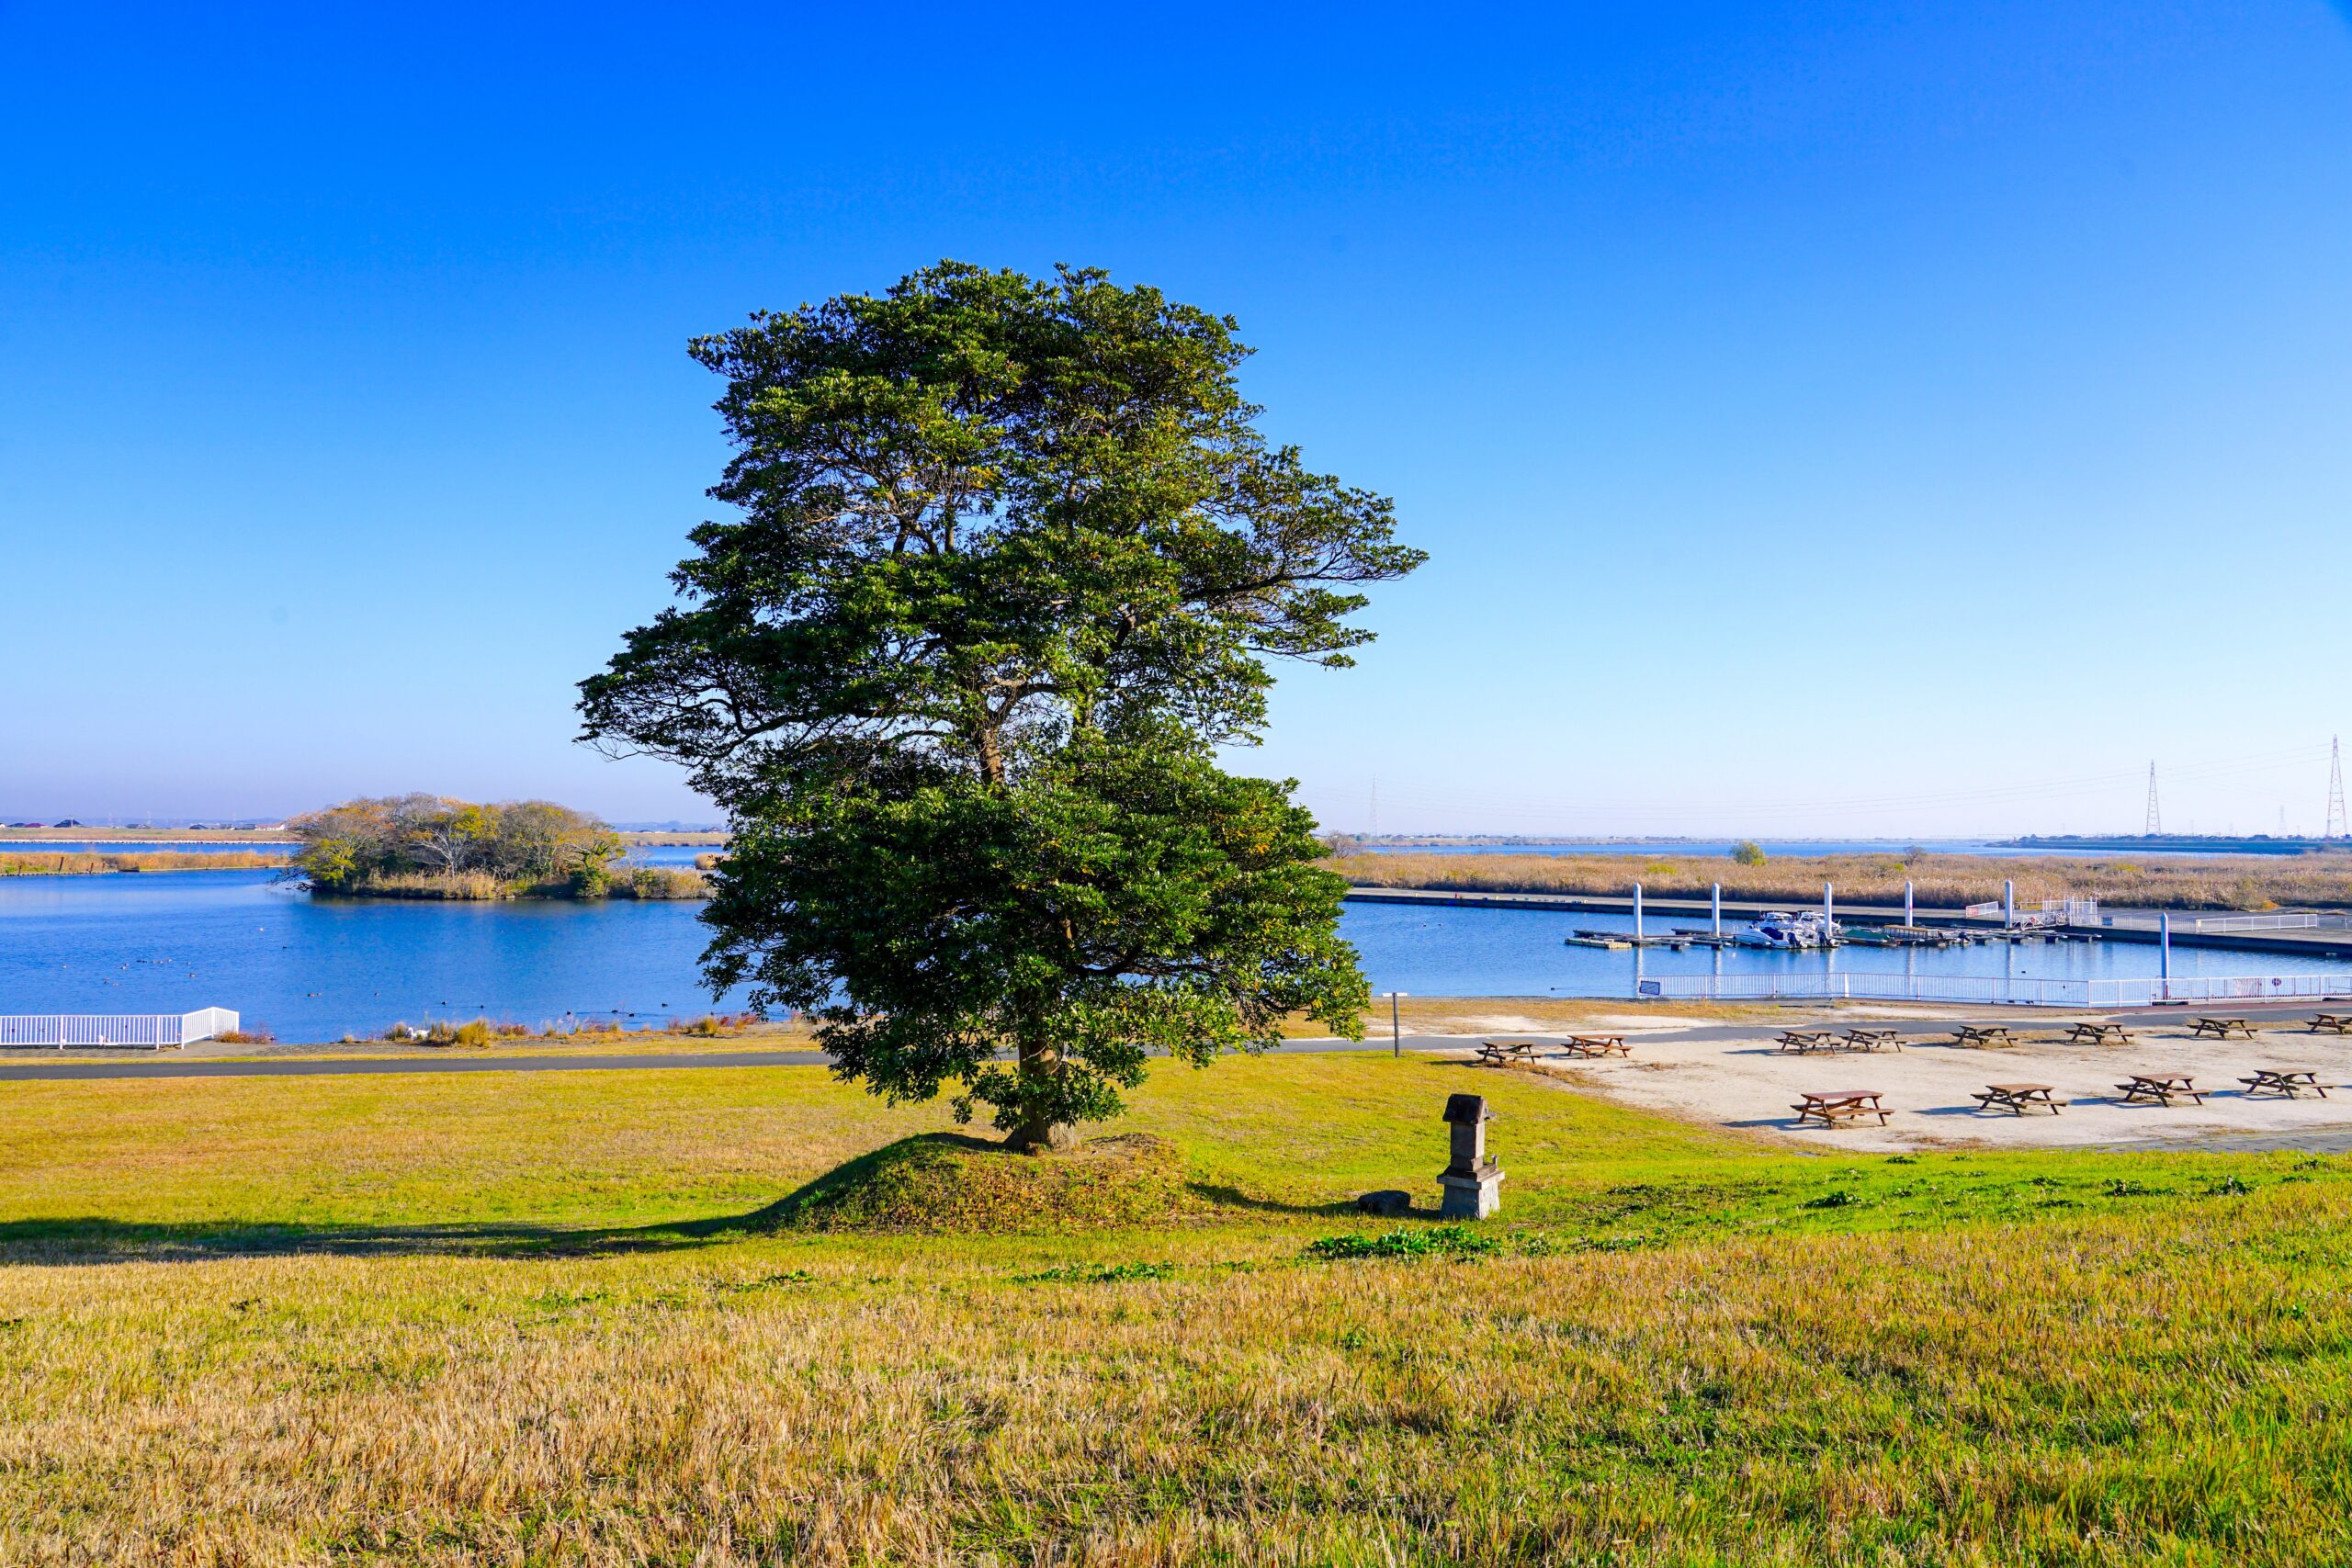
pixel 1823 418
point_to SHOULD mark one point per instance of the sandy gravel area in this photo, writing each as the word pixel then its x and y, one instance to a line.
pixel 1736 1077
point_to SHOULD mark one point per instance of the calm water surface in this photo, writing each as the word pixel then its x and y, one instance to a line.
pixel 647 854
pixel 684 854
pixel 316 970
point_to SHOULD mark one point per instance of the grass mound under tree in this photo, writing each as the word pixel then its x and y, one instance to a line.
pixel 947 1182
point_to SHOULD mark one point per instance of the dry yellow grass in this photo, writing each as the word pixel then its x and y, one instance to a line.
pixel 1740 1402
pixel 2206 882
pixel 486 1319
pixel 60 862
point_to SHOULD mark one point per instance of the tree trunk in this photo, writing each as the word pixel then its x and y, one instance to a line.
pixel 1037 1130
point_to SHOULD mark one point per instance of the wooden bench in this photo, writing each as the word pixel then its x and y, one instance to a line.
pixel 1872 1039
pixel 2157 1089
pixel 1984 1035
pixel 2220 1028
pixel 2329 1023
pixel 2019 1097
pixel 2099 1034
pixel 1596 1045
pixel 1803 1041
pixel 2288 1081
pixel 1503 1053
pixel 1835 1108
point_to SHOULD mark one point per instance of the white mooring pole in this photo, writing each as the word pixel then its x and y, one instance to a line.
pixel 2009 903
pixel 1637 912
pixel 2163 955
pixel 1829 913
pixel 1715 904
pixel 1907 921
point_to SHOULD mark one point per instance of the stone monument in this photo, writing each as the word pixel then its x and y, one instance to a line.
pixel 1473 1183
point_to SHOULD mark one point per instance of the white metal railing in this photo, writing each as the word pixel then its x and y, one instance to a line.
pixel 148 1031
pixel 1993 989
pixel 2281 920
pixel 2043 912
pixel 2286 920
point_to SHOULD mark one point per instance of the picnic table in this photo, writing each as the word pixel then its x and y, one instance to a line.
pixel 2099 1034
pixel 2329 1023
pixel 1596 1045
pixel 1984 1035
pixel 2157 1089
pixel 1836 1107
pixel 2220 1028
pixel 1802 1041
pixel 2019 1097
pixel 1870 1039
pixel 1503 1053
pixel 2289 1081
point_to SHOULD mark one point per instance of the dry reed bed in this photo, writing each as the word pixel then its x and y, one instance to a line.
pixel 30 863
pixel 2084 1391
pixel 2231 882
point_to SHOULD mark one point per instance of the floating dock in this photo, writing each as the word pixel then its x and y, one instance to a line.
pixel 1615 940
pixel 1957 927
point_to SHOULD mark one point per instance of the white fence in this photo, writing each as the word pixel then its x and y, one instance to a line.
pixel 149 1030
pixel 2306 920
pixel 2048 912
pixel 1995 989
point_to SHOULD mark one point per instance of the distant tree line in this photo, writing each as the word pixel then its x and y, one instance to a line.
pixel 437 847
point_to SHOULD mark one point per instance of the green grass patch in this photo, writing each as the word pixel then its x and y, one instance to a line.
pixel 1427 1241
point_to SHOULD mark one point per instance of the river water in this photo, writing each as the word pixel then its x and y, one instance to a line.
pixel 648 854
pixel 318 969
pixel 1691 849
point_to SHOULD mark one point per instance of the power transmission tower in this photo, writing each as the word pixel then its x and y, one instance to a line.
pixel 2156 818
pixel 2336 823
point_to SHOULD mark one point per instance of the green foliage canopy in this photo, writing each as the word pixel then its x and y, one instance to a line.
pixel 1010 560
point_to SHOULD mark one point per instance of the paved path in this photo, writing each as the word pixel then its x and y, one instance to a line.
pixel 267 1067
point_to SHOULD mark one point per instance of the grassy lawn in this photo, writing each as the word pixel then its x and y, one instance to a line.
pixel 522 1319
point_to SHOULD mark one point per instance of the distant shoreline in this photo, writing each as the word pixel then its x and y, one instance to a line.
pixel 2176 843
pixel 145 836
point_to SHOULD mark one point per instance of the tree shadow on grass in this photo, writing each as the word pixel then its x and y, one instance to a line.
pixel 1226 1196
pixel 83 1239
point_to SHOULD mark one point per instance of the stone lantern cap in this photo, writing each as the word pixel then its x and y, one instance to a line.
pixel 1467 1108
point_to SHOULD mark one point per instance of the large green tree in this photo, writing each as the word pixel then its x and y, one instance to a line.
pixel 1008 562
